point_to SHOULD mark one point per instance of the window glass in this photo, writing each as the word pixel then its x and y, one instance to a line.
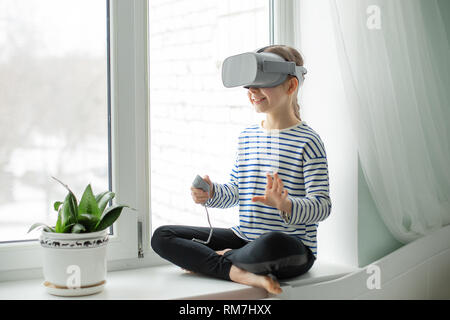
pixel 53 107
pixel 194 120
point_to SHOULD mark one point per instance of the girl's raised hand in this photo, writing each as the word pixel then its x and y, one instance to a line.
pixel 275 194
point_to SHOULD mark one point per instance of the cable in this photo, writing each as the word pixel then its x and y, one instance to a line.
pixel 202 184
pixel 210 231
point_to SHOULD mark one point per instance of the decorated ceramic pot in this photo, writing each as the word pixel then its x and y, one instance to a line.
pixel 74 263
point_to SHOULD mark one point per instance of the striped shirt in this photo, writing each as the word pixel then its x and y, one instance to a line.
pixel 298 155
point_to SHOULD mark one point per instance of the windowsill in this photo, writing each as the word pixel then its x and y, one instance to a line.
pixel 168 282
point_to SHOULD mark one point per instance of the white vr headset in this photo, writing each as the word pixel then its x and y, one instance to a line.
pixel 259 70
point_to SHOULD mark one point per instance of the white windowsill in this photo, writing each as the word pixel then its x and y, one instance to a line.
pixel 169 282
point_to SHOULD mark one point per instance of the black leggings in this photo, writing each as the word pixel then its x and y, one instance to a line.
pixel 275 253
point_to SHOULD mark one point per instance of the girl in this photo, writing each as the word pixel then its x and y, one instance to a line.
pixel 279 212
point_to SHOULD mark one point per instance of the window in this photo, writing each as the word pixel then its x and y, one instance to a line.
pixel 53 115
pixel 194 120
pixel 62 93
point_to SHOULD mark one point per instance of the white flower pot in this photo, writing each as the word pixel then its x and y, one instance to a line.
pixel 74 264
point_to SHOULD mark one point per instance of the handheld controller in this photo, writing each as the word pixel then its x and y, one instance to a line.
pixel 202 184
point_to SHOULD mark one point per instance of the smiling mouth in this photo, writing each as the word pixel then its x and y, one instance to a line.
pixel 257 101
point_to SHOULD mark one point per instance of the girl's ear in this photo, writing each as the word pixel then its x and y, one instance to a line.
pixel 292 85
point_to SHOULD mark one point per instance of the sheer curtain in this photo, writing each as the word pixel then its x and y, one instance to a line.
pixel 395 68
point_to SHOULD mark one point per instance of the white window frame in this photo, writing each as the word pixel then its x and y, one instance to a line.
pixel 129 144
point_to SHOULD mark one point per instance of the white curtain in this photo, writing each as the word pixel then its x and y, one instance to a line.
pixel 394 61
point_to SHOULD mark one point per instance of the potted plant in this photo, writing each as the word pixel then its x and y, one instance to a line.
pixel 74 249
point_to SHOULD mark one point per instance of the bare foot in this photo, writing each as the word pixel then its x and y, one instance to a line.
pixel 221 252
pixel 244 277
pixel 188 271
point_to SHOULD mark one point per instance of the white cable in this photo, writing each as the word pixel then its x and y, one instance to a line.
pixel 210 231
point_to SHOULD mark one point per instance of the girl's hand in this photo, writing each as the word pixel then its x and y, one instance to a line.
pixel 275 195
pixel 200 196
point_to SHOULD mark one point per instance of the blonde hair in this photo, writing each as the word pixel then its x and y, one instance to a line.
pixel 289 54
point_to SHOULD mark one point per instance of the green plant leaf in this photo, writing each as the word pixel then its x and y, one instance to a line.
pixel 63 184
pixel 58 227
pixel 109 217
pixel 89 221
pixel 88 204
pixel 56 205
pixel 77 228
pixel 73 207
pixel 103 199
pixel 67 228
pixel 65 212
pixel 100 195
pixel 69 211
pixel 38 225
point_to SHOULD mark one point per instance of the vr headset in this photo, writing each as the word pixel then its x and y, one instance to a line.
pixel 259 70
